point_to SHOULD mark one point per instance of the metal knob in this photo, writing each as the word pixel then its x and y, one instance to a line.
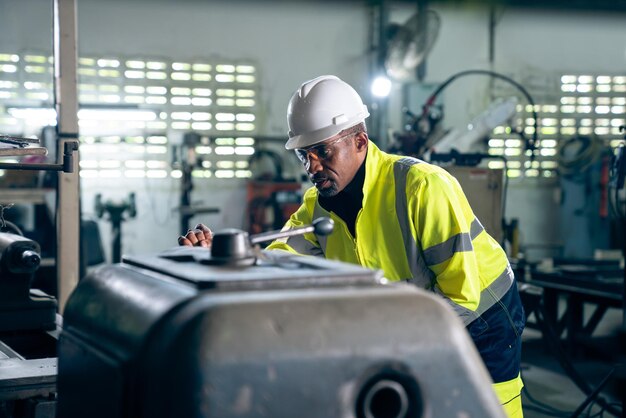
pixel 234 247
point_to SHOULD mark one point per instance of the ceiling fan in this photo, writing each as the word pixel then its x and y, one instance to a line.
pixel 409 44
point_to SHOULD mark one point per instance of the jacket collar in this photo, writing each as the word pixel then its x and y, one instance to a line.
pixel 372 168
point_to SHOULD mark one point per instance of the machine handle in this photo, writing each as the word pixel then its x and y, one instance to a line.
pixel 321 226
pixel 232 246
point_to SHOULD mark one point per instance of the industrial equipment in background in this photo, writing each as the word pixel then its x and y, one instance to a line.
pixel 271 198
pixel 239 332
pixel 583 283
pixel 29 325
pixel 185 158
pixel 32 158
pixel 19 259
pixel 118 212
pixel 472 139
pixel 584 163
pixel 29 331
pixel 424 132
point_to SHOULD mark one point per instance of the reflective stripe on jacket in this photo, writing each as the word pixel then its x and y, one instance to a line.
pixel 415 224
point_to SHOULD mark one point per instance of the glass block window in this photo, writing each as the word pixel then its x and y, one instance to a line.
pixel 572 104
pixel 25 93
pixel 131 107
pixel 593 105
pixel 506 142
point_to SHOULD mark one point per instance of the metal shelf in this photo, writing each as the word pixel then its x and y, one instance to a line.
pixel 20 152
pixel 33 195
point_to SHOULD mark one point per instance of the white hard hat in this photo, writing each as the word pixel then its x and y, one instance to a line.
pixel 320 109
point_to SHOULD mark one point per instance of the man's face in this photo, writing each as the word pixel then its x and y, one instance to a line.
pixel 332 164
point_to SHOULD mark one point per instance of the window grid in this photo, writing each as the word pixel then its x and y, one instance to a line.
pixel 131 106
pixel 589 105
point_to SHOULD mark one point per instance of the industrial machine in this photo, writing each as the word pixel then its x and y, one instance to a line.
pixel 116 211
pixel 28 334
pixel 585 219
pixel 423 133
pixel 29 324
pixel 187 160
pixel 239 332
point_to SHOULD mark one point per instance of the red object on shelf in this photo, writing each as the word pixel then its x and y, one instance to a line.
pixel 604 187
pixel 271 203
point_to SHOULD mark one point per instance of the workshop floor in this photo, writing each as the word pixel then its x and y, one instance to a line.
pixel 548 389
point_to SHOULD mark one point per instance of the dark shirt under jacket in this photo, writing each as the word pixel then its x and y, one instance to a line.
pixel 347 203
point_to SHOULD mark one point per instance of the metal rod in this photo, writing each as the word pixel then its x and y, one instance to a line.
pixel 270 236
pixel 66 166
pixel 492 36
pixel 20 138
pixel 31 166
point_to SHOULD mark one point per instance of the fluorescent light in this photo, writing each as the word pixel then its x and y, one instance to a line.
pixel 86 114
pixel 116 114
pixel 33 113
pixel 381 86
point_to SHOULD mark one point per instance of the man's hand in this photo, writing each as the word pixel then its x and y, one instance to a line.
pixel 201 236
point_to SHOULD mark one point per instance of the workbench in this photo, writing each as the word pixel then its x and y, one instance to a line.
pixel 599 286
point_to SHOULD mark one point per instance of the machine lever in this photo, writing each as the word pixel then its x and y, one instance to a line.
pixel 321 226
pixel 233 246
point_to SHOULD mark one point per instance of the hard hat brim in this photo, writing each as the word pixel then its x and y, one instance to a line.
pixel 315 137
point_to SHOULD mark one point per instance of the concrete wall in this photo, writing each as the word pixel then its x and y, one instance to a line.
pixel 294 41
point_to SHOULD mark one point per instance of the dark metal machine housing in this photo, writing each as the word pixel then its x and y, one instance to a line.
pixel 175 335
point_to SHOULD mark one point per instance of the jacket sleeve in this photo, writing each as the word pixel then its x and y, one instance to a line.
pixel 443 221
pixel 305 244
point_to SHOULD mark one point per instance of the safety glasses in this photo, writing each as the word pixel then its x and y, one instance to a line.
pixel 322 152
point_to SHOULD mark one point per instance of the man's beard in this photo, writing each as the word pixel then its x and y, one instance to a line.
pixel 319 179
pixel 329 191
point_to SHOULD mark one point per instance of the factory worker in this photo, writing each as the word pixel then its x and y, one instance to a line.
pixel 401 215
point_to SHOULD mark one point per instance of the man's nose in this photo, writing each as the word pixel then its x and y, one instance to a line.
pixel 313 164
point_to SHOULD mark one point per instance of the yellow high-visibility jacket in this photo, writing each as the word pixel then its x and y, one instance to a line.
pixel 415 225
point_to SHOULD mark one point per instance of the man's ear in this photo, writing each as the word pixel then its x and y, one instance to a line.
pixel 361 141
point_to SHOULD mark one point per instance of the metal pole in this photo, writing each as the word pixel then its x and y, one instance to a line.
pixel 379 18
pixel 66 104
pixel 116 228
pixel 422 9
